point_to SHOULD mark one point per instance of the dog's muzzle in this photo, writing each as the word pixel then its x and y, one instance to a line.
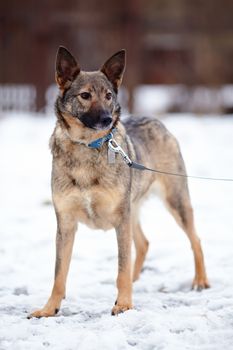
pixel 96 119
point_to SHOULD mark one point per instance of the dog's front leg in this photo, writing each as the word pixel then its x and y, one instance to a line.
pixel 124 278
pixel 67 226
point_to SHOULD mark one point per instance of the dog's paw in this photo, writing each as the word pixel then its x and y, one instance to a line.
pixel 119 308
pixel 200 283
pixel 45 312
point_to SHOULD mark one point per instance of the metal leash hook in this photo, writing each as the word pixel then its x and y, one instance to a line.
pixel 114 147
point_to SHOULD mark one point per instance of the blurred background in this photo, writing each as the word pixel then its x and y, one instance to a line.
pixel 179 67
pixel 179 52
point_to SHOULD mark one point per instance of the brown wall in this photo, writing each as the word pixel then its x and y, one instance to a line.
pixel 167 41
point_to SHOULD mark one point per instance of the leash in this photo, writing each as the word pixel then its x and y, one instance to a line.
pixel 115 148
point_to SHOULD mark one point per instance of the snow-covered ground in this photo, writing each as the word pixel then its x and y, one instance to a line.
pixel 167 315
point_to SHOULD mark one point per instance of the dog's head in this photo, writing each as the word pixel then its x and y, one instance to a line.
pixel 88 99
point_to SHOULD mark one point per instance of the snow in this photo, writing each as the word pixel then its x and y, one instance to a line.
pixel 160 98
pixel 167 315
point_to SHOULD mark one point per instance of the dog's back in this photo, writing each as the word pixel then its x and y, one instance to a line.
pixel 155 147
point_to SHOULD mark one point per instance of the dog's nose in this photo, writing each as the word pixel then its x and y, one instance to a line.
pixel 106 120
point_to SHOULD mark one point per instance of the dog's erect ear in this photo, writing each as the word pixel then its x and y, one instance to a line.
pixel 67 68
pixel 114 69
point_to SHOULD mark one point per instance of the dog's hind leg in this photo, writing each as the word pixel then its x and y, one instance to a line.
pixel 64 244
pixel 141 246
pixel 178 202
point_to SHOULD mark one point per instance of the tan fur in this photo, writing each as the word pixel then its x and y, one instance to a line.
pixel 89 190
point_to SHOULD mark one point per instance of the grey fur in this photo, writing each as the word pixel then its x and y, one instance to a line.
pixel 86 188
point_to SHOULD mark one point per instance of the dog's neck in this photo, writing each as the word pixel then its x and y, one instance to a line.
pixel 80 134
pixel 99 141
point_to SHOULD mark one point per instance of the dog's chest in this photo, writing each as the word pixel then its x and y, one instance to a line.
pixel 87 204
pixel 95 198
pixel 86 185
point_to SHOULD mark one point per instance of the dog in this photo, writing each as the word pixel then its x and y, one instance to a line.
pixel 103 194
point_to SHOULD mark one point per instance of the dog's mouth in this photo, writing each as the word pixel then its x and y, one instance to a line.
pixel 100 126
pixel 101 121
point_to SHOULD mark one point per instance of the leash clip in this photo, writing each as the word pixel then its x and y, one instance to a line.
pixel 114 147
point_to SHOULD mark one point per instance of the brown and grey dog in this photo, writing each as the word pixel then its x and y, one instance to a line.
pixel 87 189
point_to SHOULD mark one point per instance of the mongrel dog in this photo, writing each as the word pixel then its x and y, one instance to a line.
pixel 87 188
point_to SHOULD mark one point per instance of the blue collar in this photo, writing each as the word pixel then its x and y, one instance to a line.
pixel 99 142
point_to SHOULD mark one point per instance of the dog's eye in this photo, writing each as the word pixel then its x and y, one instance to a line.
pixel 85 95
pixel 108 96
